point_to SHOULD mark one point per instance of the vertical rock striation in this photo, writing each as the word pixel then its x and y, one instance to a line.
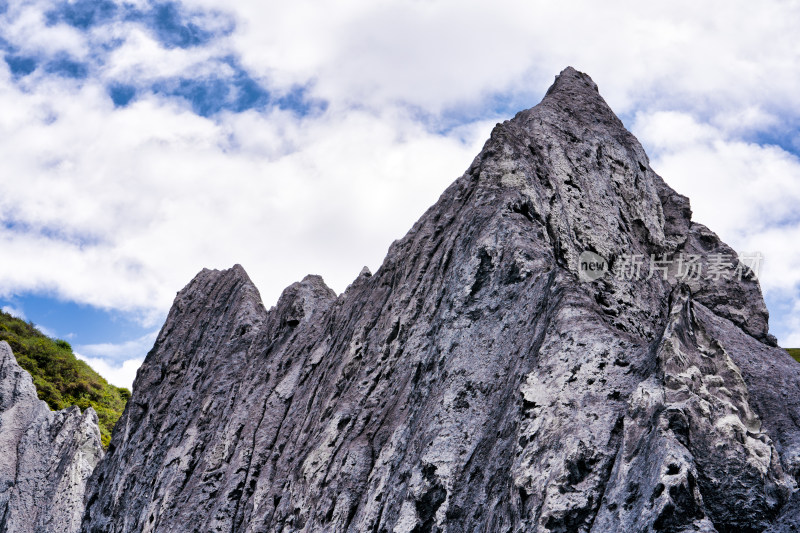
pixel 474 383
pixel 45 457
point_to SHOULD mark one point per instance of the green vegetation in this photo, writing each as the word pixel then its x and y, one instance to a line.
pixel 61 379
pixel 794 352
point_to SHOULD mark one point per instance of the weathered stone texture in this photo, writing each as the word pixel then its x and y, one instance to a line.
pixel 45 457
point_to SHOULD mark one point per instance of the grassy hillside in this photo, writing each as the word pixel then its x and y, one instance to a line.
pixel 794 352
pixel 61 379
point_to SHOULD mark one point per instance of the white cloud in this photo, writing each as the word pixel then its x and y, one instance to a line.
pixel 138 210
pixel 15 312
pixel 47 331
pixel 24 23
pixel 132 349
pixel 444 53
pixel 121 375
pixel 141 58
pixel 117 363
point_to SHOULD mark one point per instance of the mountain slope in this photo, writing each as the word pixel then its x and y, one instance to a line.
pixel 474 382
pixel 61 379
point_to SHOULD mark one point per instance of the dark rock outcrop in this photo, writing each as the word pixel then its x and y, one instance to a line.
pixel 45 457
pixel 474 382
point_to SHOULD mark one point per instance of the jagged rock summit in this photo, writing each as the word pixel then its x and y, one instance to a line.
pixel 475 382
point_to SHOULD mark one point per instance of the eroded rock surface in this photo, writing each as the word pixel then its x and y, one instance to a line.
pixel 474 383
pixel 45 457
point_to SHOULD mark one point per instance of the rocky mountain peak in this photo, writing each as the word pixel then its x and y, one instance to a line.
pixel 484 378
pixel 477 381
pixel 572 82
pixel 584 183
pixel 574 92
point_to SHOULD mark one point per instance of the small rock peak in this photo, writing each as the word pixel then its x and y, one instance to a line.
pixel 238 271
pixel 233 274
pixel 299 300
pixel 315 283
pixel 15 383
pixel 362 279
pixel 205 280
pixel 571 81
pixel 578 95
pixel 210 295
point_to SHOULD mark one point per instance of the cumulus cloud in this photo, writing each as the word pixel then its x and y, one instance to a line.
pixel 25 23
pixel 121 375
pixel 117 363
pixel 441 54
pixel 133 348
pixel 120 214
pixel 741 188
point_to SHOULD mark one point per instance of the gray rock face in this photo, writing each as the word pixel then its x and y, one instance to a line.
pixel 45 457
pixel 474 383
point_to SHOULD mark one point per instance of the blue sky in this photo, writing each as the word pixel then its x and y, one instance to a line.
pixel 144 140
